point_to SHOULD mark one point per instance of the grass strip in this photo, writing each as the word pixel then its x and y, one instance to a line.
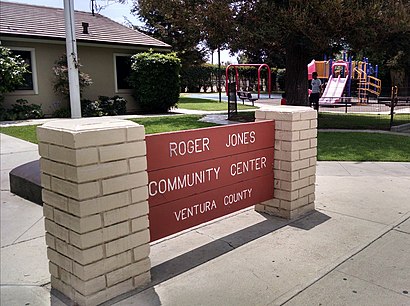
pixel 359 121
pixel 344 146
pixel 24 132
pixel 208 104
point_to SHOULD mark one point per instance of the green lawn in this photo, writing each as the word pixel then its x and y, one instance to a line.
pixel 25 132
pixel 359 121
pixel 155 125
pixel 208 104
pixel 363 147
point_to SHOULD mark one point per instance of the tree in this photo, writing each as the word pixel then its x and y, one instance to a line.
pixel 12 71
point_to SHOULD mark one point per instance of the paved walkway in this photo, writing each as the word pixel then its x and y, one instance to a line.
pixel 353 250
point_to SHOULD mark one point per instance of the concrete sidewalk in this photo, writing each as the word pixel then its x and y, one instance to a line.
pixel 353 250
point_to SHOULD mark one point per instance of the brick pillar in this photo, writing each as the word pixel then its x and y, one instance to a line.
pixel 295 160
pixel 94 179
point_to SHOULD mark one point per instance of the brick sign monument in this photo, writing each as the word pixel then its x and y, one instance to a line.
pixel 109 190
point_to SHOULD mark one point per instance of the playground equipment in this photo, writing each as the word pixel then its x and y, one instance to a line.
pixel 362 71
pixel 238 88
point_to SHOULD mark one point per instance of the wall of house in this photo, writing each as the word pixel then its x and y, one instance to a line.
pixel 98 62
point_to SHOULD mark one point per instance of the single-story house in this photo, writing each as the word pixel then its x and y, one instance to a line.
pixel 37 34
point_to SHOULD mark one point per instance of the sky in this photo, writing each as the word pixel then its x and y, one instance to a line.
pixel 115 11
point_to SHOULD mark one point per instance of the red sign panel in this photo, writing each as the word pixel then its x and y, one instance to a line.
pixel 196 176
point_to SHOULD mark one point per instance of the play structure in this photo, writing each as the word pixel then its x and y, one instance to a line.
pixel 238 80
pixel 339 75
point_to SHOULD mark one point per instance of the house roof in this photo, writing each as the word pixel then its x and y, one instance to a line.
pixel 31 21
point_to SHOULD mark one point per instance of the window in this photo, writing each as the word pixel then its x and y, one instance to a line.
pixel 30 80
pixel 122 65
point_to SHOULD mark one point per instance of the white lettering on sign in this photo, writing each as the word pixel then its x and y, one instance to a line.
pixel 253 164
pixel 179 182
pixel 194 210
pixel 243 138
pixel 236 197
pixel 191 146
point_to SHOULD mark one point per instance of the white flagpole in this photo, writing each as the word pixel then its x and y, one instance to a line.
pixel 71 46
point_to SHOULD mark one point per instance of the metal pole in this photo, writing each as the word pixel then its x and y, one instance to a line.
pixel 219 74
pixel 71 47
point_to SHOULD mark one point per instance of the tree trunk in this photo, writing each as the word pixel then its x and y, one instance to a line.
pixel 296 86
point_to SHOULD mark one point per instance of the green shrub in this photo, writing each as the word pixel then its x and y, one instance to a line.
pixel 113 106
pixel 155 79
pixel 104 106
pixel 62 112
pixel 21 110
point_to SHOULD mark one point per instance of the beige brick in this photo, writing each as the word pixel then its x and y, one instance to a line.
pixel 125 182
pixel 295 185
pixel 79 157
pixel 312 179
pixel 260 115
pixel 96 171
pixel 307 172
pixel 86 256
pixel 307 134
pixel 306 191
pixel 136 133
pixel 313 142
pixel 77 191
pixel 48 211
pixel 127 243
pixel 138 164
pixel 56 230
pixel 50 241
pixel 100 204
pixel 142 279
pixel 86 272
pixel 138 210
pixel 312 161
pixel 259 207
pixel 55 200
pixel 76 224
pixel 43 149
pixel 312 198
pixel 285 135
pixel 140 223
pixel 52 168
pixel 60 260
pixel 53 269
pixel 287 156
pixel 302 211
pixel 94 138
pixel 292 205
pixel 271 203
pixel 116 215
pixel 141 252
pixel 116 231
pixel 300 145
pixel 139 194
pixel 286 195
pixel 307 153
pixel 87 240
pixel 62 247
pixel 308 115
pixel 104 295
pixel 295 125
pixel 271 210
pixel 313 124
pixel 90 286
pixel 300 164
pixel 122 151
pixel 49 135
pixel 62 287
pixel 126 272
pixel 286 175
pixel 283 115
pixel 45 181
